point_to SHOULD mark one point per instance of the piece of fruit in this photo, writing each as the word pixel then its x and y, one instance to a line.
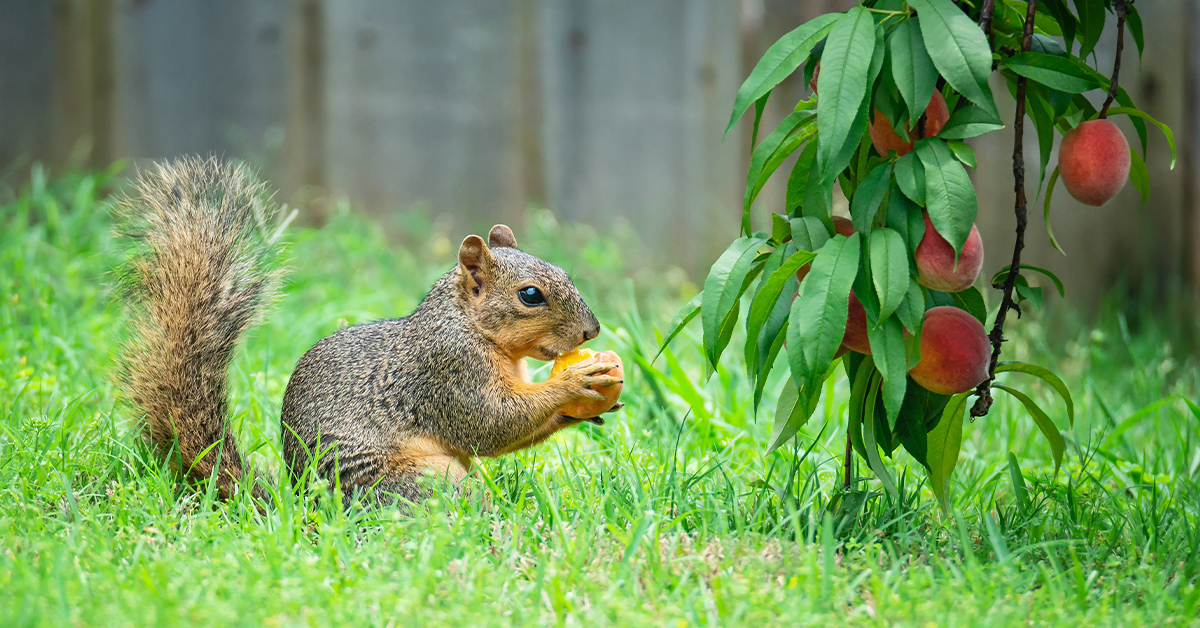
pixel 841 226
pixel 885 138
pixel 589 408
pixel 1094 161
pixel 855 338
pixel 955 352
pixel 935 260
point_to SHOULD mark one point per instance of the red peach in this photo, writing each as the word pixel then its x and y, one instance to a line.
pixel 935 260
pixel 855 338
pixel 955 352
pixel 885 138
pixel 1094 161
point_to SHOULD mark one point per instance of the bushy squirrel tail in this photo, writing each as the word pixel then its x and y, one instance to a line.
pixel 203 269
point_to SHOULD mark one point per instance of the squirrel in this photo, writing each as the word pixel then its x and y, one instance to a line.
pixel 378 405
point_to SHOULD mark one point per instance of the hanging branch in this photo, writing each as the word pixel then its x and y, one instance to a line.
pixel 984 391
pixel 985 22
pixel 1119 7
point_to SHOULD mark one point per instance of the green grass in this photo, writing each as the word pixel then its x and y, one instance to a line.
pixel 668 515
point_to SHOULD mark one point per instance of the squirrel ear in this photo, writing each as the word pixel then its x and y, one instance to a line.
pixel 476 262
pixel 501 235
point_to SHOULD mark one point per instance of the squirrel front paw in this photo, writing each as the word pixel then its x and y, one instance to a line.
pixel 581 377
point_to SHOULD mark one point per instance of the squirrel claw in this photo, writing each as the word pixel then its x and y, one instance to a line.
pixel 596 420
pixel 616 406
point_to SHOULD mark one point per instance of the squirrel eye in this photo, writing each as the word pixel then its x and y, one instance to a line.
pixel 531 296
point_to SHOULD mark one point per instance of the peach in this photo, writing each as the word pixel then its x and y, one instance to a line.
pixel 935 260
pixel 590 408
pixel 955 352
pixel 855 338
pixel 1094 161
pixel 885 138
pixel 842 226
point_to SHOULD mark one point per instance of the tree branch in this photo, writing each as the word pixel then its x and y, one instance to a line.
pixel 1119 7
pixel 984 391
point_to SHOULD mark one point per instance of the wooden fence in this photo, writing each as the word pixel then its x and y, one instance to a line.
pixel 477 109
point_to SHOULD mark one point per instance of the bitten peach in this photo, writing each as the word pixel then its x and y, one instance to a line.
pixel 955 352
pixel 935 260
pixel 841 226
pixel 885 138
pixel 589 408
pixel 1094 161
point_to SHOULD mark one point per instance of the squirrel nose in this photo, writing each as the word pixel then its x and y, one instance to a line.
pixel 588 334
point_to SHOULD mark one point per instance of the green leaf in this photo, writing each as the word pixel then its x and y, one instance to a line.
pixel 794 410
pixel 1046 210
pixel 958 48
pixel 889 269
pixel 971 300
pixel 783 141
pixel 1134 21
pixel 781 229
pixel 910 176
pixel 1091 25
pixel 1049 430
pixel 760 105
pixel 905 218
pixel 790 415
pixel 921 408
pixel 1002 275
pixel 770 340
pixel 970 122
pixel 869 442
pixel 861 377
pixel 963 152
pixel 912 69
pixel 944 440
pixel 887 348
pixel 842 83
pixel 1038 108
pixel 1044 44
pixel 912 309
pixel 1061 14
pixel 779 62
pixel 725 283
pixel 797 185
pixel 818 317
pixel 809 233
pixel 768 296
pixel 1052 71
pixel 685 316
pixel 681 384
pixel 1139 175
pixel 869 196
pixel 950 197
pixel 1045 375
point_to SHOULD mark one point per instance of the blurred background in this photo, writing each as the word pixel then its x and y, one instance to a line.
pixel 469 113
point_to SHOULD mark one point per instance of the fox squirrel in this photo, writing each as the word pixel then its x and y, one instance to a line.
pixel 378 404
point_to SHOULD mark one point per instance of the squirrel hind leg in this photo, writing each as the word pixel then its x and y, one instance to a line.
pixel 412 471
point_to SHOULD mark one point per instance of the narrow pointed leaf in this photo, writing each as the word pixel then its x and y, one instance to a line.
pixel 1059 73
pixel 1045 375
pixel 1139 175
pixel 887 347
pixel 912 69
pixel 779 62
pixel 818 318
pixel 869 196
pixel 958 48
pixel 685 316
pixel 1049 430
pixel 949 194
pixel 1046 210
pixel 910 176
pixel 944 442
pixel 842 83
pixel 724 285
pixel 889 269
pixel 969 122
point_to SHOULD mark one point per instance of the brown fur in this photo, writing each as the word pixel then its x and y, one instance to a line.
pixel 384 403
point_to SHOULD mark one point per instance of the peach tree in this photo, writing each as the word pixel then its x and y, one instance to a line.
pixel 897 86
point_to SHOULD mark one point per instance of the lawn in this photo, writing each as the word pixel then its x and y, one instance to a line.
pixel 669 515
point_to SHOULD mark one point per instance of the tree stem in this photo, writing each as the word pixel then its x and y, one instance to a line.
pixel 984 402
pixel 1119 7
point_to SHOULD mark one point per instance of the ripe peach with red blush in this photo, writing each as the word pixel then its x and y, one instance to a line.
pixel 955 352
pixel 936 266
pixel 885 138
pixel 1094 161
